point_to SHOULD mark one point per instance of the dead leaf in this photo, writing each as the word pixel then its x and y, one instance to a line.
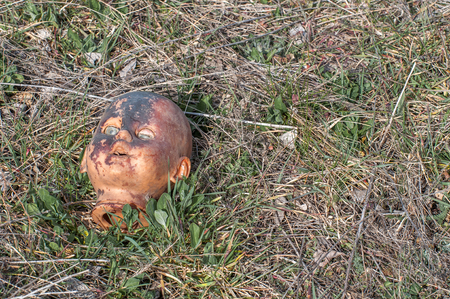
pixel 446 175
pixel 51 75
pixel 92 57
pixel 45 96
pixel 6 114
pixel 81 290
pixel 159 79
pixel 214 65
pixel 19 108
pixel 127 69
pixel 23 97
pixel 36 169
pixel 319 255
pixel 5 180
pixel 359 195
pixel 441 193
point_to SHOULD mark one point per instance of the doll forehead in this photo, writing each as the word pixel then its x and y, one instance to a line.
pixel 132 107
pixel 143 110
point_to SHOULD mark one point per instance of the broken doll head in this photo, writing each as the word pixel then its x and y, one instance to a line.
pixel 142 141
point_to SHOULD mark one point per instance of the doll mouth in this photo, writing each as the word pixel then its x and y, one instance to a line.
pixel 119 153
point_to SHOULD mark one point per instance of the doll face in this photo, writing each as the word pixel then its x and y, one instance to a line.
pixel 142 140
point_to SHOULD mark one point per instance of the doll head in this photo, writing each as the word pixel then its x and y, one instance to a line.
pixel 142 142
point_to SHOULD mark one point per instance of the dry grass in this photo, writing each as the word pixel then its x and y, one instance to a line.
pixel 358 208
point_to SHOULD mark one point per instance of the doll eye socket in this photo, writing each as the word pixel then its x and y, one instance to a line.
pixel 111 130
pixel 146 134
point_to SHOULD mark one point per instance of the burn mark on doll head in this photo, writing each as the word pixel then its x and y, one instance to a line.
pixel 135 103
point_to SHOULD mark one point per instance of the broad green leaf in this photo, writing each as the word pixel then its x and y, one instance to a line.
pixel 194 229
pixel 32 209
pixel 271 53
pixel 206 284
pixel 132 283
pixel 255 54
pixel 151 206
pixel 58 230
pixel 162 201
pixel 150 209
pixel 161 217
pixel 49 201
pixel 122 6
pixel 53 246
pixel 349 124
pixel 186 200
pixel 209 259
pixel 95 5
pixel 50 17
pixel 130 215
pixel 278 104
pixel 18 78
pixel 126 209
pixel 197 199
pixel 204 103
pixel 73 36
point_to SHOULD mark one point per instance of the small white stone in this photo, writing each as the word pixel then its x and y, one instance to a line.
pixel 303 207
pixel 43 34
pixel 296 30
pixel 288 139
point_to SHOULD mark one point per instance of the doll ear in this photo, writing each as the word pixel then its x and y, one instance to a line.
pixel 183 169
pixel 83 162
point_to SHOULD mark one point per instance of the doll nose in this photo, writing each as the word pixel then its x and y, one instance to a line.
pixel 123 135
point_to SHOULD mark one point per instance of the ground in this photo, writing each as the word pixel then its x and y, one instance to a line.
pixel 335 186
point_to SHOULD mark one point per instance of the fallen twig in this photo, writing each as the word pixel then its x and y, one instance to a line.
pixel 189 113
pixel 358 234
pixel 32 294
pixel 396 106
pixel 56 89
pixel 59 261
pixel 249 122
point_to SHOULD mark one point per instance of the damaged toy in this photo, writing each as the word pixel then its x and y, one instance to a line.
pixel 143 140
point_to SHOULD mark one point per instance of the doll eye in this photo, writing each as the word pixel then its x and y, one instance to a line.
pixel 111 130
pixel 146 134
